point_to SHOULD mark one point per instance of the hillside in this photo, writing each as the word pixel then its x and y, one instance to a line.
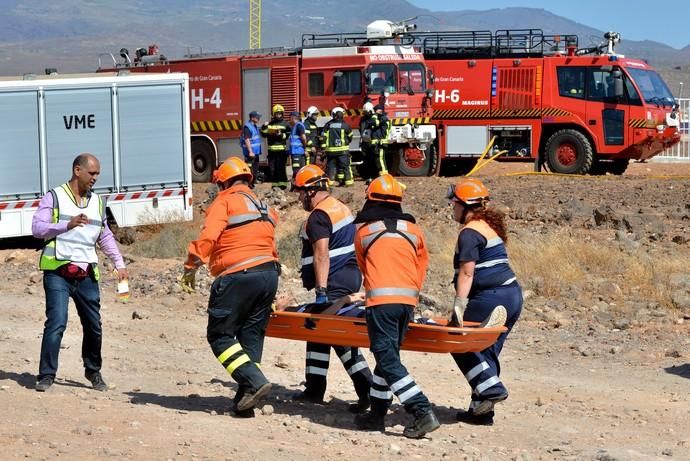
pixel 70 34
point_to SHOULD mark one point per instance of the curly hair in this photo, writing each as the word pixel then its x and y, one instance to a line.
pixel 494 218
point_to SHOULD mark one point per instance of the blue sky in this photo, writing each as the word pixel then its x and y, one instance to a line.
pixel 665 22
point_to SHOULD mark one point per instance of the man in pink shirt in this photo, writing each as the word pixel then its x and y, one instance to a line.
pixel 71 219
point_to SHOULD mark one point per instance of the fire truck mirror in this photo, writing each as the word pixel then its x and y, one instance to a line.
pixel 432 77
pixel 618 88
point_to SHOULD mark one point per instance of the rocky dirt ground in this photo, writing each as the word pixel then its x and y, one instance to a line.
pixel 598 367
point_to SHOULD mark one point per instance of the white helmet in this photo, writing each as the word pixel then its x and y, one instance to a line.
pixel 312 110
pixel 337 110
pixel 368 107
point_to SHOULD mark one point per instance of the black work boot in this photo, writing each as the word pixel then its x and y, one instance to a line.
pixel 422 425
pixel 468 417
pixel 251 398
pixel 310 397
pixel 371 421
pixel 360 406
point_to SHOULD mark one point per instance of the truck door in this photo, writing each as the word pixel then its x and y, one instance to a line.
pixel 607 114
pixel 256 94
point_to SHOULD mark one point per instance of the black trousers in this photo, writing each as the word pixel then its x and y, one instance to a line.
pixel 238 310
pixel 338 168
pixel 374 160
pixel 387 325
pixel 344 282
pixel 277 160
pixel 297 162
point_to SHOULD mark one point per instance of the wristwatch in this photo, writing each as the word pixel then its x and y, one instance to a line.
pixel 321 291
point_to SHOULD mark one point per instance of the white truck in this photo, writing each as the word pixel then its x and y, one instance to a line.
pixel 136 125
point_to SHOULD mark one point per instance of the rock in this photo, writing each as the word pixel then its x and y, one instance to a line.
pixel 609 289
pixel 137 316
pixel 674 353
pixel 429 301
pixel 281 362
pixel 267 410
pixel 679 281
pixel 681 299
pixel 30 290
pixel 13 257
pixel 626 243
pixel 394 448
pixel 605 216
pixel 170 301
pixel 621 323
pixel 125 235
pixel 36 277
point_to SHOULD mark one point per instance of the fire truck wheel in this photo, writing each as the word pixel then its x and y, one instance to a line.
pixel 570 152
pixel 411 161
pixel 202 161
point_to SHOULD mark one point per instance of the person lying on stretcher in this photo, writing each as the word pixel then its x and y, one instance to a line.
pixel 352 305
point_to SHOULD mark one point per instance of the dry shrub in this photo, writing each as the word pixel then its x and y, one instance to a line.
pixel 170 242
pixel 554 262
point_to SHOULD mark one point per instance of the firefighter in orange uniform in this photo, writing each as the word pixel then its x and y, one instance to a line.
pixel 238 244
pixel 329 267
pixel 393 258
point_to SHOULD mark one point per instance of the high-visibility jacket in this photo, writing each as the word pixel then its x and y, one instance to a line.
pixel 337 136
pixel 341 248
pixel 238 233
pixel 380 128
pixel 311 131
pixel 491 269
pixel 276 134
pixel 296 144
pixel 393 258
pixel 255 140
pixel 79 243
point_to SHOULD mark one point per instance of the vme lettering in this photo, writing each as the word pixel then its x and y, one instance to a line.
pixel 74 122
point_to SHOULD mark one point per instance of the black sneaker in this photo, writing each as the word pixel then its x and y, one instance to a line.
pixel 370 422
pixel 468 417
pixel 97 381
pixel 360 406
pixel 251 398
pixel 421 426
pixel 44 383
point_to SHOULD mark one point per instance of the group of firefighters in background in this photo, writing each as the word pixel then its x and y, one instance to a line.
pixel 304 142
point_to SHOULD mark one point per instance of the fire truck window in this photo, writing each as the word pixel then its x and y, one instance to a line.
pixel 347 82
pixel 381 77
pixel 600 85
pixel 633 95
pixel 412 77
pixel 316 84
pixel 571 82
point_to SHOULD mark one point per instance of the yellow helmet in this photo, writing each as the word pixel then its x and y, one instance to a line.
pixel 277 108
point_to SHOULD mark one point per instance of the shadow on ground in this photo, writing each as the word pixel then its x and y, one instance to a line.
pixel 681 370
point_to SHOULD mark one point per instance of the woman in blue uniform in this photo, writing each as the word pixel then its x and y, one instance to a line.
pixel 486 291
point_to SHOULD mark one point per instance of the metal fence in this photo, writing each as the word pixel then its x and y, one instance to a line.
pixel 681 151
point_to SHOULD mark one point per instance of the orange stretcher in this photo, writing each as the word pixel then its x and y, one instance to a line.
pixel 352 331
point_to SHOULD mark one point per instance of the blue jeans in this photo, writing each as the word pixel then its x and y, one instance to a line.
pixel 87 299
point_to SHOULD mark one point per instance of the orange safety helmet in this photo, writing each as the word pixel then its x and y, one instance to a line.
pixel 469 192
pixel 310 177
pixel 385 188
pixel 234 167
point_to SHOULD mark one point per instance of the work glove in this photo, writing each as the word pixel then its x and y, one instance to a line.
pixel 188 280
pixel 321 296
pixel 458 312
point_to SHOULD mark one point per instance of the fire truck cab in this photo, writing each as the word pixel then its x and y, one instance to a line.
pixel 574 110
pixel 329 70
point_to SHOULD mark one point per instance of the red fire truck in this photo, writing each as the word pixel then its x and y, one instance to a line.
pixel 329 70
pixel 575 110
